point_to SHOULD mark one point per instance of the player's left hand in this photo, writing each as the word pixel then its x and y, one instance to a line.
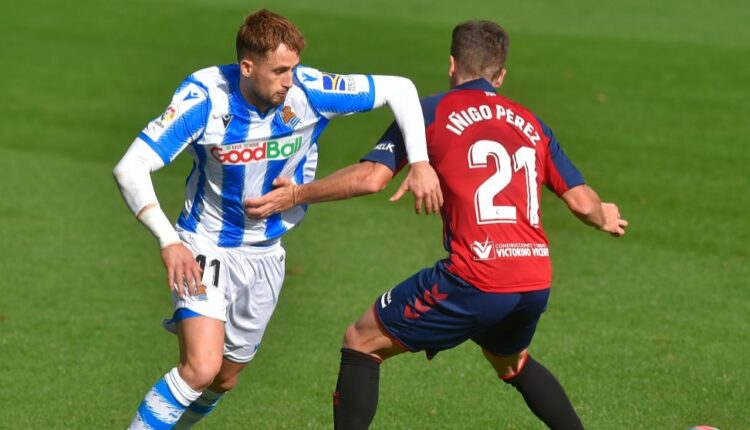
pixel 283 197
pixel 423 182
pixel 613 222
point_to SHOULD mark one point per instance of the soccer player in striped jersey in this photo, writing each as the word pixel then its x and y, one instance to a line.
pixel 245 125
pixel 492 156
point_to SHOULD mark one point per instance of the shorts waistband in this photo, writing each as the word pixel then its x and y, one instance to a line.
pixel 258 247
pixel 246 248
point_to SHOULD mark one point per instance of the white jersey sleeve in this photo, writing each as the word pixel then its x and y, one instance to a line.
pixel 182 123
pixel 332 95
pixel 157 145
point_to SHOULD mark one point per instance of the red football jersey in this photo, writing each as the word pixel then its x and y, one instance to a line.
pixel 492 156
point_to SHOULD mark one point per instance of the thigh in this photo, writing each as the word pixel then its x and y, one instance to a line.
pixel 201 341
pixel 514 332
pixel 434 310
pixel 256 286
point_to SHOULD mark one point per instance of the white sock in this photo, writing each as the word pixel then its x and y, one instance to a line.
pixel 164 403
pixel 198 409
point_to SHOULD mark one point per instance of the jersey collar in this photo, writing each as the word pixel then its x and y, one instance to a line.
pixel 477 84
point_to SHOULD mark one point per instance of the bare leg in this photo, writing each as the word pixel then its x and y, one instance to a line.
pixel 201 350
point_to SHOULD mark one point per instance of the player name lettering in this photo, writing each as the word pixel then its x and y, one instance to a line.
pixel 461 120
pixel 245 153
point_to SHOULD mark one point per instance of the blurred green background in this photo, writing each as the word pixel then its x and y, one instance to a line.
pixel 649 99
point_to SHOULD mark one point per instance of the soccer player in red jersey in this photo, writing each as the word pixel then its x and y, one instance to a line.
pixel 492 155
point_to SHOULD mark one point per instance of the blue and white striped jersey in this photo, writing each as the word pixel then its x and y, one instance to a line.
pixel 239 151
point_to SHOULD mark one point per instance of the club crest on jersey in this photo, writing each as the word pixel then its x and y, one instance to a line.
pixel 289 117
pixel 483 251
pixel 337 83
pixel 251 152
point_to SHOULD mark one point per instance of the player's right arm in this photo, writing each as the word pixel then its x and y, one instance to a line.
pixel 351 181
pixel 369 176
pixel 157 145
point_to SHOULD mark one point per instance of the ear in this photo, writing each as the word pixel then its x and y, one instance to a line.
pixel 499 79
pixel 452 68
pixel 246 67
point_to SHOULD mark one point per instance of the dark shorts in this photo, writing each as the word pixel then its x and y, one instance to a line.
pixel 435 310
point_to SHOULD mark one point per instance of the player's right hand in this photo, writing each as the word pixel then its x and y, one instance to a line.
pixel 423 182
pixel 183 272
pixel 613 223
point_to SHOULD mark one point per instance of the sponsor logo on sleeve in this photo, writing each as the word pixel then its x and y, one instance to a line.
pixel 167 117
pixel 384 146
pixel 338 83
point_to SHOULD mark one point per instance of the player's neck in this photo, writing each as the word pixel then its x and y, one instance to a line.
pixel 456 80
pixel 460 80
pixel 252 98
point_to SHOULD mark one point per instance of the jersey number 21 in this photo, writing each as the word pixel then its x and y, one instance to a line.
pixel 523 159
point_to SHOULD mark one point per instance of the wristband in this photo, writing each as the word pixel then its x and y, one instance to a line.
pixel 158 224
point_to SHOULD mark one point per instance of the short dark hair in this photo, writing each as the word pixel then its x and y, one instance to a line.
pixel 479 48
pixel 264 31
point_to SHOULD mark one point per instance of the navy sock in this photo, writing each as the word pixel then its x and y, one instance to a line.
pixel 545 396
pixel 356 396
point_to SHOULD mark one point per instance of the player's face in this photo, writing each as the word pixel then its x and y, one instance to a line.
pixel 268 80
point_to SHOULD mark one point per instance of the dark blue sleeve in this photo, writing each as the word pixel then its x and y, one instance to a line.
pixel 390 150
pixel 561 167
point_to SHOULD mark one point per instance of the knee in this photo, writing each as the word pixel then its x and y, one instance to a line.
pixel 352 338
pixel 199 373
pixel 223 383
pixel 507 366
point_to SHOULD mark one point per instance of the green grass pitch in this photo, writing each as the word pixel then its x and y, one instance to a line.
pixel 650 100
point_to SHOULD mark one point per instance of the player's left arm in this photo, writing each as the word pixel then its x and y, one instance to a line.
pixel 585 204
pixel 562 177
pixel 351 181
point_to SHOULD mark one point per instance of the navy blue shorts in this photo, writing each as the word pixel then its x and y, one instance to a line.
pixel 435 310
